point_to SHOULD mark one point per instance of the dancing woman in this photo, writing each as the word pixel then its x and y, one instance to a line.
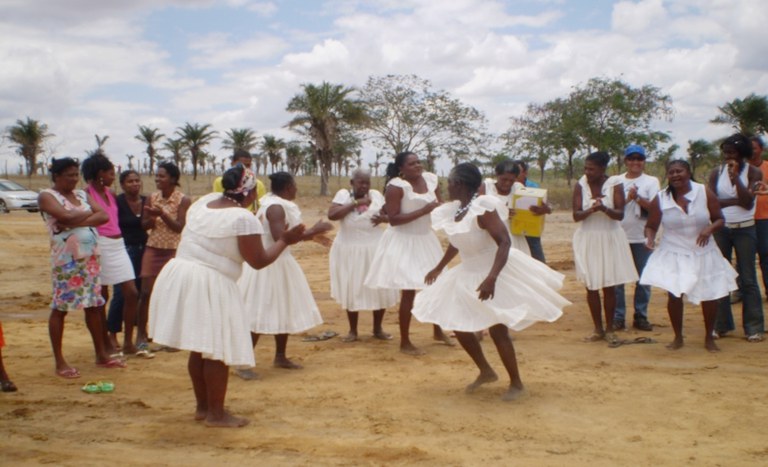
pixel 409 247
pixel 494 286
pixel 687 261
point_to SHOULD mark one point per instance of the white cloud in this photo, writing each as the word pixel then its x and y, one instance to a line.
pixel 219 51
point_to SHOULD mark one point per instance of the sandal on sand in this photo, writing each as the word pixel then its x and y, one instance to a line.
pixel 68 373
pixel 91 387
pixel 594 337
pixel 106 386
pixel 144 353
pixel 8 386
pixel 112 363
pixel 324 336
pixel 638 340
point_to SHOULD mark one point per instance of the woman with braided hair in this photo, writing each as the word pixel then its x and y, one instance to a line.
pixel 494 286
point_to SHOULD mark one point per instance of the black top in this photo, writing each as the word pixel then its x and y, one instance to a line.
pixel 130 223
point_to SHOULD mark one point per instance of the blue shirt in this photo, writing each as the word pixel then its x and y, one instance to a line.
pixel 531 183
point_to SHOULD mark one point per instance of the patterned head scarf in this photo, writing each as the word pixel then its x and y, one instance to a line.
pixel 247 183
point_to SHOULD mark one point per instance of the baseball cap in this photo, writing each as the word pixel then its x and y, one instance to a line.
pixel 634 149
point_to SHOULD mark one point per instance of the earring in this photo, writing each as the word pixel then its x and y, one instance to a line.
pixel 101 180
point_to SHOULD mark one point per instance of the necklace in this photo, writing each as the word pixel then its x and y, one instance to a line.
pixel 460 212
pixel 231 199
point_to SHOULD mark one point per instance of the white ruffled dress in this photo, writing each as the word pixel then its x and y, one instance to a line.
pixel 196 304
pixel 351 257
pixel 518 241
pixel 680 266
pixel 278 298
pixel 407 252
pixel 526 289
pixel 600 248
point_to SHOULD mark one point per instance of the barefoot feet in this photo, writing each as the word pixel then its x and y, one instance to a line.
pixel 351 337
pixel 676 344
pixel 227 420
pixel 281 361
pixel 514 393
pixel 410 349
pixel 482 378
pixel 710 345
pixel 596 336
pixel 381 335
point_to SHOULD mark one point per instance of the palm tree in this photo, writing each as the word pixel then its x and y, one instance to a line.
pixel 272 147
pixel 240 138
pixel 748 116
pixel 150 136
pixel 294 156
pixel 196 137
pixel 130 160
pixel 29 136
pixel 322 112
pixel 176 147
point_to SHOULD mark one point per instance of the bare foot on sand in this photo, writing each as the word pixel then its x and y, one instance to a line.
pixel 201 414
pixel 247 374
pixel 442 337
pixel 709 344
pixel 351 337
pixel 482 378
pixel 381 335
pixel 514 393
pixel 410 349
pixel 675 344
pixel 596 336
pixel 283 362
pixel 226 421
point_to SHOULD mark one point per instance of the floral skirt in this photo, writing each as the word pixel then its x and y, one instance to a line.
pixel 77 284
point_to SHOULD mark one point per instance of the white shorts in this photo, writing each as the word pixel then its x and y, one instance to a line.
pixel 116 266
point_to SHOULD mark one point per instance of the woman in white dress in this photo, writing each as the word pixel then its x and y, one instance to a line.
pixel 359 210
pixel 600 248
pixel 687 261
pixel 409 247
pixel 503 187
pixel 494 286
pixel 196 304
pixel 278 297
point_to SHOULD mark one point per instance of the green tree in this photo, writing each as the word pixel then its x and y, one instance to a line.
pixel 272 148
pixel 700 153
pixel 748 116
pixel 150 136
pixel 406 114
pixel 323 111
pixel 294 156
pixel 241 139
pixel 28 136
pixel 178 150
pixel 616 115
pixel 196 137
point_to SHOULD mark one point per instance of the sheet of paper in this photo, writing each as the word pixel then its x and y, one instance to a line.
pixel 525 202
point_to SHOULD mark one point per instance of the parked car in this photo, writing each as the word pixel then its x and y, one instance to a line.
pixel 15 197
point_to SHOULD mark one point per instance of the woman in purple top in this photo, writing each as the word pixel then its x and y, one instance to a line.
pixel 116 267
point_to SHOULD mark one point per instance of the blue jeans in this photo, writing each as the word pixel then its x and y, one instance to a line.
pixel 640 255
pixel 537 252
pixel 762 248
pixel 115 314
pixel 744 241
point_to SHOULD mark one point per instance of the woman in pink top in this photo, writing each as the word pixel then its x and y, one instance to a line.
pixel 116 267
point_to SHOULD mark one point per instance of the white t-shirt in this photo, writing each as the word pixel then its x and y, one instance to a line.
pixel 634 218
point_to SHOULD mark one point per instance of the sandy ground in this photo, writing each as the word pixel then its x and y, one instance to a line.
pixel 365 403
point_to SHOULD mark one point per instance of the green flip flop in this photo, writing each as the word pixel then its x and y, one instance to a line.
pixel 91 387
pixel 106 386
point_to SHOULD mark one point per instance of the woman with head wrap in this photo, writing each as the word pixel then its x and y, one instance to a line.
pixel 197 306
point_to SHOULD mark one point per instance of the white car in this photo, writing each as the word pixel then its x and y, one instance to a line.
pixel 14 197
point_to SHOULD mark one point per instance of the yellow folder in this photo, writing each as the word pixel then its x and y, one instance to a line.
pixel 524 222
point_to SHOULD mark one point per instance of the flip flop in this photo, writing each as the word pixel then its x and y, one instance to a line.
pixel 106 386
pixel 144 353
pixel 68 373
pixel 112 363
pixel 91 387
pixel 324 336
pixel 8 386
pixel 637 340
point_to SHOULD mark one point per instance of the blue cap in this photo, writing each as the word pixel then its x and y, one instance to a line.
pixel 634 149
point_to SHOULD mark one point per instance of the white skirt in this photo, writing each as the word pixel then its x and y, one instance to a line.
pixel 526 293
pixel 603 258
pixel 116 266
pixel 197 308
pixel 701 278
pixel 278 299
pixel 402 260
pixel 350 263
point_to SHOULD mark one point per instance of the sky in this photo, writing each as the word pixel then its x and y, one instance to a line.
pixel 87 67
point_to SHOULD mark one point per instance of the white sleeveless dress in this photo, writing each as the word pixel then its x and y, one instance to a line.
pixel 406 253
pixel 518 241
pixel 680 266
pixel 278 298
pixel 525 289
pixel 351 257
pixel 600 248
pixel 195 304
